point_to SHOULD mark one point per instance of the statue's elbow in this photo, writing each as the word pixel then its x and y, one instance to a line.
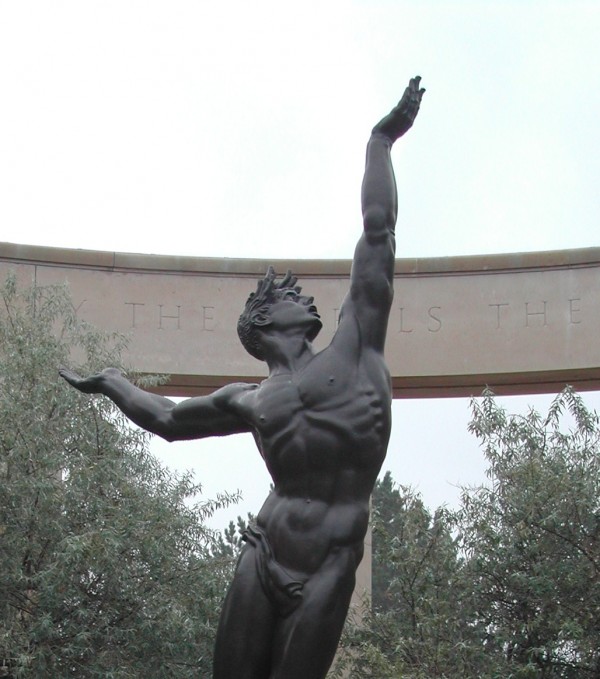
pixel 167 436
pixel 164 428
pixel 378 222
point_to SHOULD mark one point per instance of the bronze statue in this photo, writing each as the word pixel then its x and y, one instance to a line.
pixel 321 422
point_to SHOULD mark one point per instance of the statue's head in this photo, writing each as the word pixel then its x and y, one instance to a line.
pixel 256 318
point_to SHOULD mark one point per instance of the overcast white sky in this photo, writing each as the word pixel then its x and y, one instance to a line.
pixel 238 129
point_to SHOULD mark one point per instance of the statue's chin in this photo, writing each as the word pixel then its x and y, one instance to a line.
pixel 315 329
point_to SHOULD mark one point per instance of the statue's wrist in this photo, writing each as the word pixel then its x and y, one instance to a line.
pixel 105 378
pixel 378 134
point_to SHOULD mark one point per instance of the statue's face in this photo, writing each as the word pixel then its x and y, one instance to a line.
pixel 292 310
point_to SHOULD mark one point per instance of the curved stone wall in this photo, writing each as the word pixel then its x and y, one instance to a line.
pixel 520 323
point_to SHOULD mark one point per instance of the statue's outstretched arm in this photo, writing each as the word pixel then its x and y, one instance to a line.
pixel 379 195
pixel 371 289
pixel 212 415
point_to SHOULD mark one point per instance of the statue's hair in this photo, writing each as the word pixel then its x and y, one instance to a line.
pixel 268 291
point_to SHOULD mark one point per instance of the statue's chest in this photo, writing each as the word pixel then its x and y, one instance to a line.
pixel 286 401
pixel 318 418
pixel 276 406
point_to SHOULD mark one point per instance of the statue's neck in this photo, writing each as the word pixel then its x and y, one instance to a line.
pixel 289 356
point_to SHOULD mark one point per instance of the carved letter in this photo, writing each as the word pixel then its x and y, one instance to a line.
pixel 498 312
pixel 534 313
pixel 574 309
pixel 438 322
pixel 207 318
pixel 402 329
pixel 161 316
pixel 133 305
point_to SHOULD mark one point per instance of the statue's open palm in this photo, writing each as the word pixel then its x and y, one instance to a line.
pixel 402 116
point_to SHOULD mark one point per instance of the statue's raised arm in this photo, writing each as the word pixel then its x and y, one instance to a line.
pixel 401 118
pixel 371 291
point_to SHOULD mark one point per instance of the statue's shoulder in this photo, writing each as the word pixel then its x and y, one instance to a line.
pixel 234 392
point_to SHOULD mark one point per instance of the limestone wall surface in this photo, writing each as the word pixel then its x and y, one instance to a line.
pixel 520 323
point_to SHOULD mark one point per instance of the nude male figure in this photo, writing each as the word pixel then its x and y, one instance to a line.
pixel 321 422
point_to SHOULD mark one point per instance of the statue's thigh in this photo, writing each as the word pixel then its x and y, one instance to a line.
pixel 306 641
pixel 245 636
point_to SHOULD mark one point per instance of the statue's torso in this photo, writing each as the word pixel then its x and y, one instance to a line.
pixel 323 433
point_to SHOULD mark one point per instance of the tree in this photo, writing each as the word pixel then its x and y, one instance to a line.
pixel 229 542
pixel 507 586
pixel 532 538
pixel 416 627
pixel 106 566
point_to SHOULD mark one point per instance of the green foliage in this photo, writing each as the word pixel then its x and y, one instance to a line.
pixel 532 537
pixel 229 542
pixel 106 566
pixel 508 587
pixel 415 628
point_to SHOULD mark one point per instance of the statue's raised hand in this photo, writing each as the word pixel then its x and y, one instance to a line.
pixel 400 119
pixel 88 385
